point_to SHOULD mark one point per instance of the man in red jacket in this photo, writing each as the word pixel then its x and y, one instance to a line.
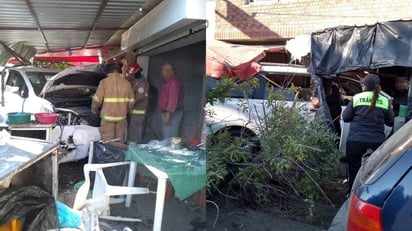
pixel 171 101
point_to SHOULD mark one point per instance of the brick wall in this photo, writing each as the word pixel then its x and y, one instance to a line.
pixel 278 20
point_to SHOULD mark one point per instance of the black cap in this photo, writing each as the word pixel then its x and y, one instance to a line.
pixel 111 67
pixel 370 81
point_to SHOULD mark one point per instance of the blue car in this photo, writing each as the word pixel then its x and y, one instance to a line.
pixel 381 197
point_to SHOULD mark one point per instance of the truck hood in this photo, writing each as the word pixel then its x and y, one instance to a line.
pixel 73 86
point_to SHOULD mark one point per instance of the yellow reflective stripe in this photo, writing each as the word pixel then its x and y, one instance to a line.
pixel 118 100
pixel 113 118
pixel 96 98
pixel 137 112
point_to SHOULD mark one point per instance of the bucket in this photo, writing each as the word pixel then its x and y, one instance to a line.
pixel 402 111
pixel 18 117
pixel 46 118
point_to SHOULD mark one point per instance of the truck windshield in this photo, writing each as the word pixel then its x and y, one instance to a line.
pixel 39 79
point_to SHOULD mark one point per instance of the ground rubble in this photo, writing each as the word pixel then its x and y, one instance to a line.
pixel 225 214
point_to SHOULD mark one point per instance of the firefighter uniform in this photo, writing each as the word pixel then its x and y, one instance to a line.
pixel 115 97
pixel 140 88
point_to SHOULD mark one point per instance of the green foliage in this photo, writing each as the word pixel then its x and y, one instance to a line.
pixel 298 156
pixel 227 85
pixel 221 151
pixel 53 65
pixel 220 91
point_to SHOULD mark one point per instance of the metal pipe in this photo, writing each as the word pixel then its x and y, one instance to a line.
pixel 36 20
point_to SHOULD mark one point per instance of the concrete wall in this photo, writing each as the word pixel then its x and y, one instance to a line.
pixel 189 65
pixel 278 20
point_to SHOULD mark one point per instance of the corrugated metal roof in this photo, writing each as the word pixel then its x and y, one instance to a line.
pixel 53 25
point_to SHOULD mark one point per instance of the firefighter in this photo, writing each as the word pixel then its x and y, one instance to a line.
pixel 140 88
pixel 113 99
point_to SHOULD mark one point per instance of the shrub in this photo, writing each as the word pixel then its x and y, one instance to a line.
pixel 298 156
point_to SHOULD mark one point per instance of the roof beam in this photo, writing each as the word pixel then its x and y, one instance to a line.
pixel 19 58
pixel 96 20
pixel 33 14
pixel 64 28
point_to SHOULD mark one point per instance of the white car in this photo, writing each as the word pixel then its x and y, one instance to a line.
pixel 70 91
pixel 21 87
pixel 242 117
pixel 66 92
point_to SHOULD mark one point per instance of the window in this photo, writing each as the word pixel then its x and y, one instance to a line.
pixel 15 83
pixel 38 80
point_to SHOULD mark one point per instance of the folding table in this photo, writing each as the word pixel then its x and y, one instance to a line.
pixel 20 154
pixel 186 174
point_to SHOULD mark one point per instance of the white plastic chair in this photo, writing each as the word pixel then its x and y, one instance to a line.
pixel 129 181
pixel 102 191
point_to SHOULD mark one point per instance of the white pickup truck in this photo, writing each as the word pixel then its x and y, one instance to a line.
pixel 232 116
pixel 20 89
pixel 67 92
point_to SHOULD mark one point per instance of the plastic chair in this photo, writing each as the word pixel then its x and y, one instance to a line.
pixel 102 191
pixel 101 152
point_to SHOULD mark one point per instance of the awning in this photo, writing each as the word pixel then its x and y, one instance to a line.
pixel 76 57
pixel 233 60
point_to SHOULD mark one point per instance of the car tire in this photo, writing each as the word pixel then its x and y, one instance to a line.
pixel 252 144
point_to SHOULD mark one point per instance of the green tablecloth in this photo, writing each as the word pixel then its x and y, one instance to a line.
pixel 185 172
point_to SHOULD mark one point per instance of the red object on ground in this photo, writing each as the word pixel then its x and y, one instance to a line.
pixel 46 118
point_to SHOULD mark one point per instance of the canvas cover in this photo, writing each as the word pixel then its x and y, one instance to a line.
pixel 344 48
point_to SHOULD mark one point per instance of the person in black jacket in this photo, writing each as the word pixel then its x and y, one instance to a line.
pixel 334 102
pixel 368 112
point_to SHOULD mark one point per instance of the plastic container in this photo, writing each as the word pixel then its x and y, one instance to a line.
pixel 400 119
pixel 18 117
pixel 46 118
pixel 175 143
pixel 402 111
pixel 13 225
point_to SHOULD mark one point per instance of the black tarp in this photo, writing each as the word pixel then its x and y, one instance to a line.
pixel 344 48
pixel 106 153
pixel 36 205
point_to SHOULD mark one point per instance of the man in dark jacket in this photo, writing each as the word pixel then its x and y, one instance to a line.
pixel 334 102
pixel 140 88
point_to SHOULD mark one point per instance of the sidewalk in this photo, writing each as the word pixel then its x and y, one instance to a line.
pixel 232 217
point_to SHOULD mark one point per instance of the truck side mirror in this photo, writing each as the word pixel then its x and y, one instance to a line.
pixel 24 92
